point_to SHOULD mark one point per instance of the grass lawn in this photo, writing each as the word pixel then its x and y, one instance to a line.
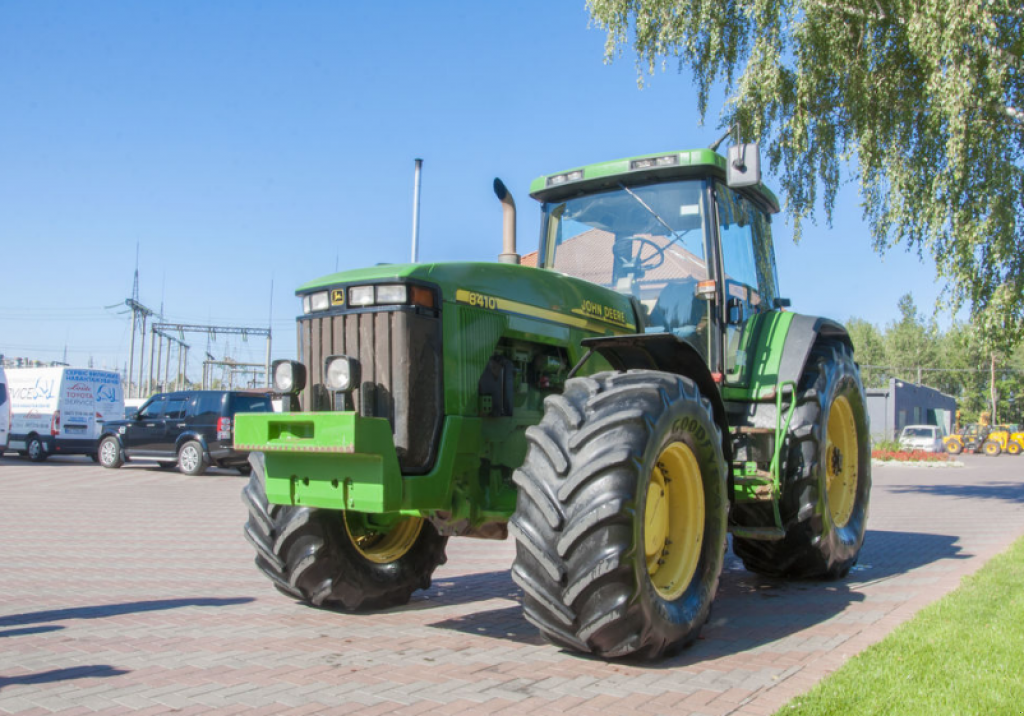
pixel 962 655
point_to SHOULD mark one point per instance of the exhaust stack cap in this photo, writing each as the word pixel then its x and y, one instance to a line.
pixel 508 253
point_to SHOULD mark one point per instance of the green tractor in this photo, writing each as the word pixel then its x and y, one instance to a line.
pixel 619 407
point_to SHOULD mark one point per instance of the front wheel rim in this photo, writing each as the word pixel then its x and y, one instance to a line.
pixel 107 454
pixel 841 461
pixel 386 547
pixel 673 531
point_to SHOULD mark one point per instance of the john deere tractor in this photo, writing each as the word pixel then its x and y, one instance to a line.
pixel 619 402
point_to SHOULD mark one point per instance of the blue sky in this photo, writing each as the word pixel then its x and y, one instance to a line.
pixel 241 145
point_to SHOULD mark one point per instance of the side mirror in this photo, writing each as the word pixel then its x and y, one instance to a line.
pixel 136 416
pixel 781 302
pixel 736 311
pixel 743 165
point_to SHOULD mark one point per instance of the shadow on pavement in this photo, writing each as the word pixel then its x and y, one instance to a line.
pixel 1006 491
pixel 112 610
pixel 886 553
pixel 750 610
pixel 464 589
pixel 30 631
pixel 506 623
pixel 97 671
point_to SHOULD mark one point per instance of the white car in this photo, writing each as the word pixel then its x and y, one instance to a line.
pixel 921 437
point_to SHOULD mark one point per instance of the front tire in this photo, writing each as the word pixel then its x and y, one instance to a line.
pixel 954 447
pixel 827 481
pixel 324 558
pixel 109 453
pixel 620 522
pixel 35 450
pixel 991 448
pixel 1013 448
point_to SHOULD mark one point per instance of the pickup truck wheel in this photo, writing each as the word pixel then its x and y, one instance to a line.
pixel 620 521
pixel 109 453
pixel 332 559
pixel 35 450
pixel 192 458
pixel 827 476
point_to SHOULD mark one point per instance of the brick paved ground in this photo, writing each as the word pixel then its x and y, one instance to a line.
pixel 133 591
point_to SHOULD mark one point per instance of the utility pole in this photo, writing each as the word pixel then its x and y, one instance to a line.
pixel 183 328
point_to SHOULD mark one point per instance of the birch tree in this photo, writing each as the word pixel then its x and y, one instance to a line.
pixel 921 102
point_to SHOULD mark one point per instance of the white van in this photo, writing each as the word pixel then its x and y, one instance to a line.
pixel 61 411
pixel 5 411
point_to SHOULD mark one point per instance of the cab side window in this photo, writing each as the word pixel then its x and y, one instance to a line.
pixel 205 407
pixel 175 409
pixel 153 409
pixel 748 262
pixel 748 254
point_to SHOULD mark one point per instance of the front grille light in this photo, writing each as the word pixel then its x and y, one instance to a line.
pixel 393 294
pixel 319 301
pixel 360 296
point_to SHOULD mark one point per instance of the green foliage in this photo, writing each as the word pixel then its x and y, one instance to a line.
pixel 962 655
pixel 922 101
pixel 956 362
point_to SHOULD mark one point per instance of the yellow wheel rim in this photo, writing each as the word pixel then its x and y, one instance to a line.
pixel 390 546
pixel 674 521
pixel 841 461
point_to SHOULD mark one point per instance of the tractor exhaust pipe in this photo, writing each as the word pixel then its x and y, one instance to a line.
pixel 508 253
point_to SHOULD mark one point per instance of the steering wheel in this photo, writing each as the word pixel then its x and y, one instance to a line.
pixel 652 260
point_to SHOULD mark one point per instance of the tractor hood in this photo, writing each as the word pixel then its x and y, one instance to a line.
pixel 511 289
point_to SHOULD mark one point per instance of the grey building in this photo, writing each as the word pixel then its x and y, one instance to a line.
pixel 902 403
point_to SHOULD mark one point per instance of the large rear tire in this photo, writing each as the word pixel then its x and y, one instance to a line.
pixel 827 481
pixel 324 558
pixel 620 522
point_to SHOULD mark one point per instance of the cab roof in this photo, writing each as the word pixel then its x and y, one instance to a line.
pixel 643 169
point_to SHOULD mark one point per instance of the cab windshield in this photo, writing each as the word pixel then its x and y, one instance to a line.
pixel 644 241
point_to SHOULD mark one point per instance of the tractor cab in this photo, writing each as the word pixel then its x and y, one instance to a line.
pixel 694 254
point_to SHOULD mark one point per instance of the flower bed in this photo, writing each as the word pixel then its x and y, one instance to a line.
pixel 908 456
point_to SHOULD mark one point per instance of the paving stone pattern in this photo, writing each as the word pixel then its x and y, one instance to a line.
pixel 133 591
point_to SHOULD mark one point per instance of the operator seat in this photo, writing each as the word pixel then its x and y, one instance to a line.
pixel 678 311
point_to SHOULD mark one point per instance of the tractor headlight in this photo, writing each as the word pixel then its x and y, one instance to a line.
pixel 392 294
pixel 341 373
pixel 360 296
pixel 289 376
pixel 319 301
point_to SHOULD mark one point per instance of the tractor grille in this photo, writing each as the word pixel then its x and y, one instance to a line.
pixel 399 352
